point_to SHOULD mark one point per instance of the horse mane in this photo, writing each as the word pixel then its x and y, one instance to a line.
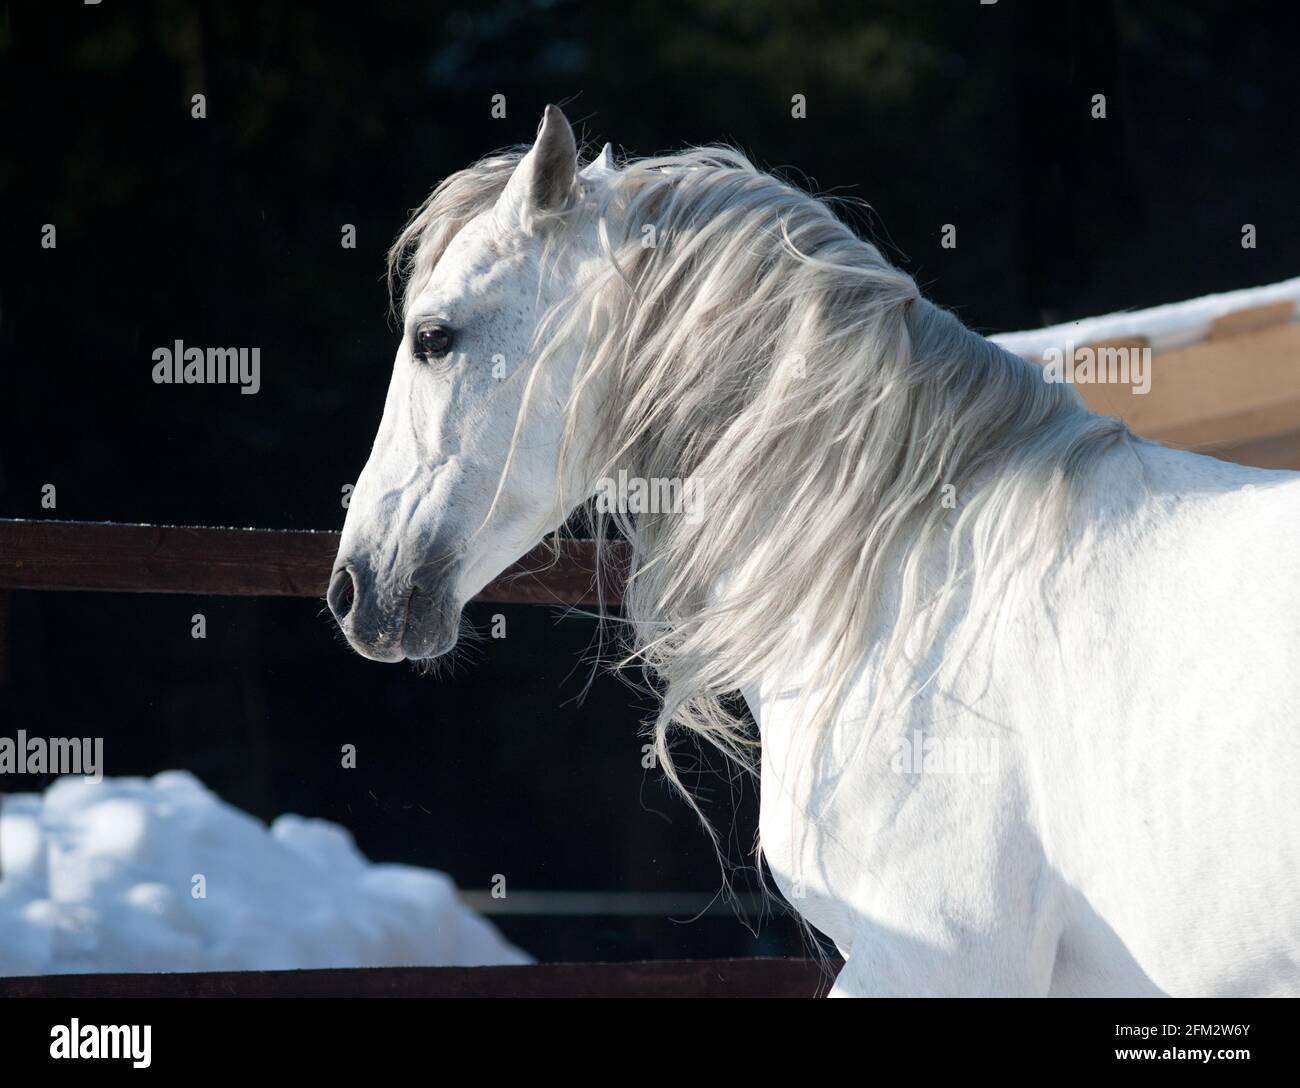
pixel 842 427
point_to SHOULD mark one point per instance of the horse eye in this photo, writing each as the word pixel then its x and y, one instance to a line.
pixel 433 341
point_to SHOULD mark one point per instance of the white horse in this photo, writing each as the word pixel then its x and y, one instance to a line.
pixel 1027 687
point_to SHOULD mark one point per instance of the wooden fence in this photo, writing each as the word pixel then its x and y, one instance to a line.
pixel 95 555
pixel 757 977
pixel 71 555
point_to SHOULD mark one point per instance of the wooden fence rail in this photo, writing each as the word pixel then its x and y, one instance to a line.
pixel 756 977
pixel 91 555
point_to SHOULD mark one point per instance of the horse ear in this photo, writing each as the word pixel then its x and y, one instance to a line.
pixel 601 164
pixel 544 180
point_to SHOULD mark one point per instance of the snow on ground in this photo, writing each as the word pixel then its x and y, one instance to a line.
pixel 99 877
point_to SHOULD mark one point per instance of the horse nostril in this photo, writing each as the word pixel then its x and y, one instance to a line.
pixel 342 594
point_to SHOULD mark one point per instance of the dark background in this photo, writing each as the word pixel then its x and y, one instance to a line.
pixel 226 231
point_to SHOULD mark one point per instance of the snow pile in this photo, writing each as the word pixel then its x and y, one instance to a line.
pixel 104 877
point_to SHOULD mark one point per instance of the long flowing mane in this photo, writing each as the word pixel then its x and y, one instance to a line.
pixel 842 426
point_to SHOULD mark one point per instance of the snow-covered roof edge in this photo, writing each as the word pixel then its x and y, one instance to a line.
pixel 1172 325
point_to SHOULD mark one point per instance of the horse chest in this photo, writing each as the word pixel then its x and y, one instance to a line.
pixel 811 841
pixel 794 848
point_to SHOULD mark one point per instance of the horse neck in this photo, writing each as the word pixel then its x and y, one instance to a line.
pixel 1027 425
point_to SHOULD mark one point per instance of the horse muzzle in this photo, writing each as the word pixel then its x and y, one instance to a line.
pixel 417 622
